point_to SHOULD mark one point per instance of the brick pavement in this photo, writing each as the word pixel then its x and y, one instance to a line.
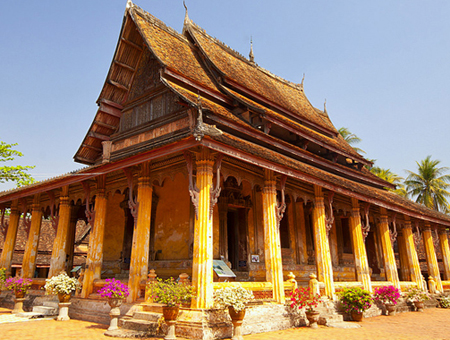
pixel 433 324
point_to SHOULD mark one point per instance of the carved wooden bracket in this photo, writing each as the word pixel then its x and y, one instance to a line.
pixel 365 225
pixel 329 216
pixel 26 216
pixel 281 208
pixel 393 233
pixel 90 212
pixel 417 235
pixel 54 215
pixel 132 202
pixel 215 193
pixel 436 238
pixel 3 224
pixel 193 190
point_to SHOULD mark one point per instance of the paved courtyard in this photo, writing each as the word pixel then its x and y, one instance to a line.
pixel 431 324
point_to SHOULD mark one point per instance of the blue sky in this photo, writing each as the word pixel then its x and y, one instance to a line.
pixel 382 66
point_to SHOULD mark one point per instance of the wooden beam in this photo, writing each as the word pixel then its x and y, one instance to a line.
pixel 110 103
pixel 116 84
pixel 105 125
pixel 128 67
pixel 293 115
pixel 84 145
pixel 199 87
pixel 97 135
pixel 132 44
pixel 110 110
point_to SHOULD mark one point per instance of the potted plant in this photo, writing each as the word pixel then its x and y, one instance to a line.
pixel 20 286
pixel 234 298
pixel 389 296
pixel 172 295
pixel 61 285
pixel 303 298
pixel 355 301
pixel 444 301
pixel 417 296
pixel 116 292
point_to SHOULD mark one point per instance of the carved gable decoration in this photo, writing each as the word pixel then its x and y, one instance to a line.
pixel 147 76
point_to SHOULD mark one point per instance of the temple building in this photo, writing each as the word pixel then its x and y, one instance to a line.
pixel 198 154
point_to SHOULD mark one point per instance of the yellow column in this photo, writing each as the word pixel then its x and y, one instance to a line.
pixel 413 259
pixel 322 247
pixel 432 263
pixel 202 274
pixel 443 241
pixel 11 235
pixel 390 265
pixel 95 252
pixel 272 246
pixel 404 263
pixel 58 260
pixel 141 235
pixel 359 249
pixel 31 248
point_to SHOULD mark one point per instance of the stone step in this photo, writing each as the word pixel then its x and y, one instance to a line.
pixel 52 304
pixel 149 327
pixel 152 307
pixel 33 315
pixel 148 316
pixel 45 310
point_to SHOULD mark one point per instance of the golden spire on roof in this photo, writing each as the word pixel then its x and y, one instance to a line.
pixel 251 55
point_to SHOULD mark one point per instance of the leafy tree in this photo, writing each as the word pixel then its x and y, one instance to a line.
pixel 351 139
pixel 13 173
pixel 391 177
pixel 430 184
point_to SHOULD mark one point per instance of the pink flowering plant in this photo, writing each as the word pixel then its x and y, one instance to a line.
pixel 301 298
pixel 114 289
pixel 18 284
pixel 387 294
pixel 355 299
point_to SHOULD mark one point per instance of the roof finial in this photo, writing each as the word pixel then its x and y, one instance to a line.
pixel 129 4
pixel 325 106
pixel 251 55
pixel 186 18
pixel 303 81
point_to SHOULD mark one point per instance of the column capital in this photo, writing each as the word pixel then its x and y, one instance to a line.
pixel 14 207
pixel 443 231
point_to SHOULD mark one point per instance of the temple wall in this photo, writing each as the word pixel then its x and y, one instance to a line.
pixel 172 219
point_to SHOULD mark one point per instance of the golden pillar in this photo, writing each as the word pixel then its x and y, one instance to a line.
pixel 202 274
pixel 31 248
pixel 405 272
pixel 443 241
pixel 59 253
pixel 322 247
pixel 432 263
pixel 95 252
pixel 141 235
pixel 272 246
pixel 413 259
pixel 11 235
pixel 390 265
pixel 359 248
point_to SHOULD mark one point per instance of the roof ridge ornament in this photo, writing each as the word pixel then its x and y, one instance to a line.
pixel 187 21
pixel 302 83
pixel 324 106
pixel 251 55
pixel 129 4
pixel 201 129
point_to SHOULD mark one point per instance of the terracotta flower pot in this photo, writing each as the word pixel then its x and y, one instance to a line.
pixel 170 313
pixel 313 318
pixel 63 297
pixel 115 302
pixel 19 294
pixel 390 309
pixel 237 318
pixel 419 305
pixel 357 316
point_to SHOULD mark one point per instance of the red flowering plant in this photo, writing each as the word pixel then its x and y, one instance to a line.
pixel 114 289
pixel 302 297
pixel 18 284
pixel 355 299
pixel 387 294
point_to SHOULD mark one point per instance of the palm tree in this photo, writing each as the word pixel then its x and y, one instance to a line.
pixel 429 184
pixel 350 138
pixel 391 177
